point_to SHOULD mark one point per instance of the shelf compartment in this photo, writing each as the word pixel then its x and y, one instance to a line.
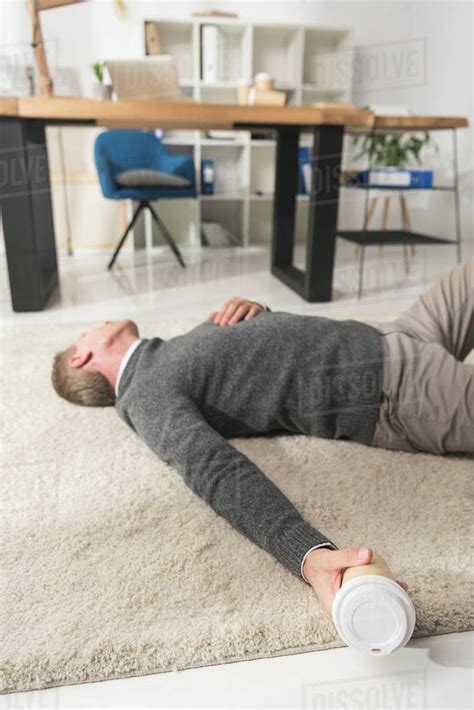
pixel 327 61
pixel 229 168
pixel 183 224
pixel 277 50
pixel 261 220
pixel 263 143
pixel 176 38
pixel 229 213
pixel 262 169
pixel 230 50
pixel 239 138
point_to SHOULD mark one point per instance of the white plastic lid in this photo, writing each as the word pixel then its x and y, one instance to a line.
pixel 373 614
pixel 262 76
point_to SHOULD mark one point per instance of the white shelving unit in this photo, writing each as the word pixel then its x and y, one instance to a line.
pixel 309 63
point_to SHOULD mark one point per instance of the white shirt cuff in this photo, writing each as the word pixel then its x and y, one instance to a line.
pixel 330 545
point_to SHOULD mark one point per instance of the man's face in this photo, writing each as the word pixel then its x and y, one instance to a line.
pixel 102 338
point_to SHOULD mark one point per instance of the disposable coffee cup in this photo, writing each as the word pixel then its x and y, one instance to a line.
pixel 371 611
pixel 264 81
pixel 243 90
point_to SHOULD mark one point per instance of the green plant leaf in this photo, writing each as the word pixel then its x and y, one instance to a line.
pixel 98 69
pixel 392 149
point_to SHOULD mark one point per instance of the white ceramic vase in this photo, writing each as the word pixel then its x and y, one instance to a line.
pixel 102 91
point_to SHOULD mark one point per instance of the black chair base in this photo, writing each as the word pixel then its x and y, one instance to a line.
pixel 144 204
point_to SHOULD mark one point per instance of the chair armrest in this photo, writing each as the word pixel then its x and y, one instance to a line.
pixel 106 177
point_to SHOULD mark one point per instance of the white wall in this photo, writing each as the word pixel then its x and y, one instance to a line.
pixel 415 53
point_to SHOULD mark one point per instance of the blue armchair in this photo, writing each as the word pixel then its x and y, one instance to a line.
pixel 134 165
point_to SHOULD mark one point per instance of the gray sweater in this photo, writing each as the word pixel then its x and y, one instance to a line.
pixel 275 374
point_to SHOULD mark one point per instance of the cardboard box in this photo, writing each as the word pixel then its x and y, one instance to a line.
pixel 269 98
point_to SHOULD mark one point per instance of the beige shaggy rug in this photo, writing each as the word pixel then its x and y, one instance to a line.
pixel 111 567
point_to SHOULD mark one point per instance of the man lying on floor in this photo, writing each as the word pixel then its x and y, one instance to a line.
pixel 248 371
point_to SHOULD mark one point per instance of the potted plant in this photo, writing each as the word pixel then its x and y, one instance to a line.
pixel 389 156
pixel 101 90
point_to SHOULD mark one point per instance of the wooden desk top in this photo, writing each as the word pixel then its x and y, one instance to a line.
pixel 420 123
pixel 183 114
pixel 193 115
pixel 416 123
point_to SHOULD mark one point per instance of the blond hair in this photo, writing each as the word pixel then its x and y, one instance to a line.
pixel 85 387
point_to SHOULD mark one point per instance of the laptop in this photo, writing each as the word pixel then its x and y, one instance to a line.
pixel 146 78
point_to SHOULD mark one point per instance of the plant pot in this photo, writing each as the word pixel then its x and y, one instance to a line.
pixel 102 91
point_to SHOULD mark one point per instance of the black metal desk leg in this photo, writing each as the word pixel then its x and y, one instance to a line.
pixel 25 201
pixel 284 207
pixel 324 202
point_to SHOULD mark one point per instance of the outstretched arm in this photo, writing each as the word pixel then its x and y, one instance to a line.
pixel 241 493
pixel 225 478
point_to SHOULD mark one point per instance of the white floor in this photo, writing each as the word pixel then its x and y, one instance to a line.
pixel 430 673
pixel 157 287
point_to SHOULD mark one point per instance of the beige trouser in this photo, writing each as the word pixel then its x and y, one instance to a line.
pixel 428 391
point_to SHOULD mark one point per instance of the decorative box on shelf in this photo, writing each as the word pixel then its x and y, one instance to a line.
pixel 393 177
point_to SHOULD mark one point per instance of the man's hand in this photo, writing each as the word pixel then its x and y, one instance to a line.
pixel 324 569
pixel 235 310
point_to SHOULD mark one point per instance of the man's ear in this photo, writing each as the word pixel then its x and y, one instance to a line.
pixel 79 360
